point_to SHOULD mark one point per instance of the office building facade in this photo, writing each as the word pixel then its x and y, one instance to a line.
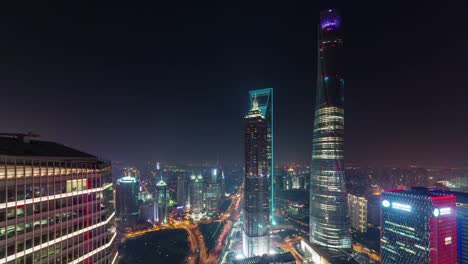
pixel 418 226
pixel 256 226
pixel 56 204
pixel 329 223
pixel 462 224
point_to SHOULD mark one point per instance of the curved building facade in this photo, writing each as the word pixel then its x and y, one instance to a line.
pixel 56 204
pixel 329 224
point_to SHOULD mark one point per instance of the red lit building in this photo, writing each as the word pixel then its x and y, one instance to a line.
pixel 418 226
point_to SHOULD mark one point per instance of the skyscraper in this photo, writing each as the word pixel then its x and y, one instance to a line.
pixel 256 228
pixel 56 204
pixel 126 196
pixel 181 189
pixel 329 225
pixel 212 192
pixel 196 196
pixel 264 99
pixel 162 201
pixel 418 226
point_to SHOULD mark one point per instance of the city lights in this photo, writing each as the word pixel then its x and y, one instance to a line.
pixel 399 206
pixel 187 103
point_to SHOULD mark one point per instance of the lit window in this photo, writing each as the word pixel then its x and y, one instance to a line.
pixel 448 240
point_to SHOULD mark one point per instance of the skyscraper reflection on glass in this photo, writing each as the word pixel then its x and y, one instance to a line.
pixel 329 224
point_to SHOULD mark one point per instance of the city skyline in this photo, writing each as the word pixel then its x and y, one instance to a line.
pixel 218 133
pixel 126 101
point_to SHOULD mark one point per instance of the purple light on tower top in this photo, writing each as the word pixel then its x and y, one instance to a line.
pixel 331 21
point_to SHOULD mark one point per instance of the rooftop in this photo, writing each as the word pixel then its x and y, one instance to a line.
pixel 421 191
pixel 21 146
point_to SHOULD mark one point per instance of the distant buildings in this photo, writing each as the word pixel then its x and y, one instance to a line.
pixel 293 179
pixel 126 197
pixel 287 179
pixel 418 226
pixel 357 209
pixel 256 227
pixel 132 172
pixel 57 204
pixel 329 225
pixel 197 209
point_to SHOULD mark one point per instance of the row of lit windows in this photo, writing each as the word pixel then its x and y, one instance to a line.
pixel 19 171
pixel 39 246
pixel 329 127
pixel 49 207
pixel 327 151
pixel 328 145
pixel 51 220
pixel 39 239
pixel 329 110
pixel 328 139
pixel 29 190
pixel 330 157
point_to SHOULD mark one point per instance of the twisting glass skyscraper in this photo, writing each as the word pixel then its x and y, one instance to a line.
pixel 256 228
pixel 329 224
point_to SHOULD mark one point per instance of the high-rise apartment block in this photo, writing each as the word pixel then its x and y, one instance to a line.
pixel 357 208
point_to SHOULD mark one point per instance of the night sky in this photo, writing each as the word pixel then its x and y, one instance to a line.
pixel 168 80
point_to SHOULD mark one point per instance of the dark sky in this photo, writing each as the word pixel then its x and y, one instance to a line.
pixel 168 80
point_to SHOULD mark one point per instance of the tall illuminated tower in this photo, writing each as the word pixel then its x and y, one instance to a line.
pixel 264 98
pixel 329 224
pixel 256 228
pixel 196 196
pixel 162 201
